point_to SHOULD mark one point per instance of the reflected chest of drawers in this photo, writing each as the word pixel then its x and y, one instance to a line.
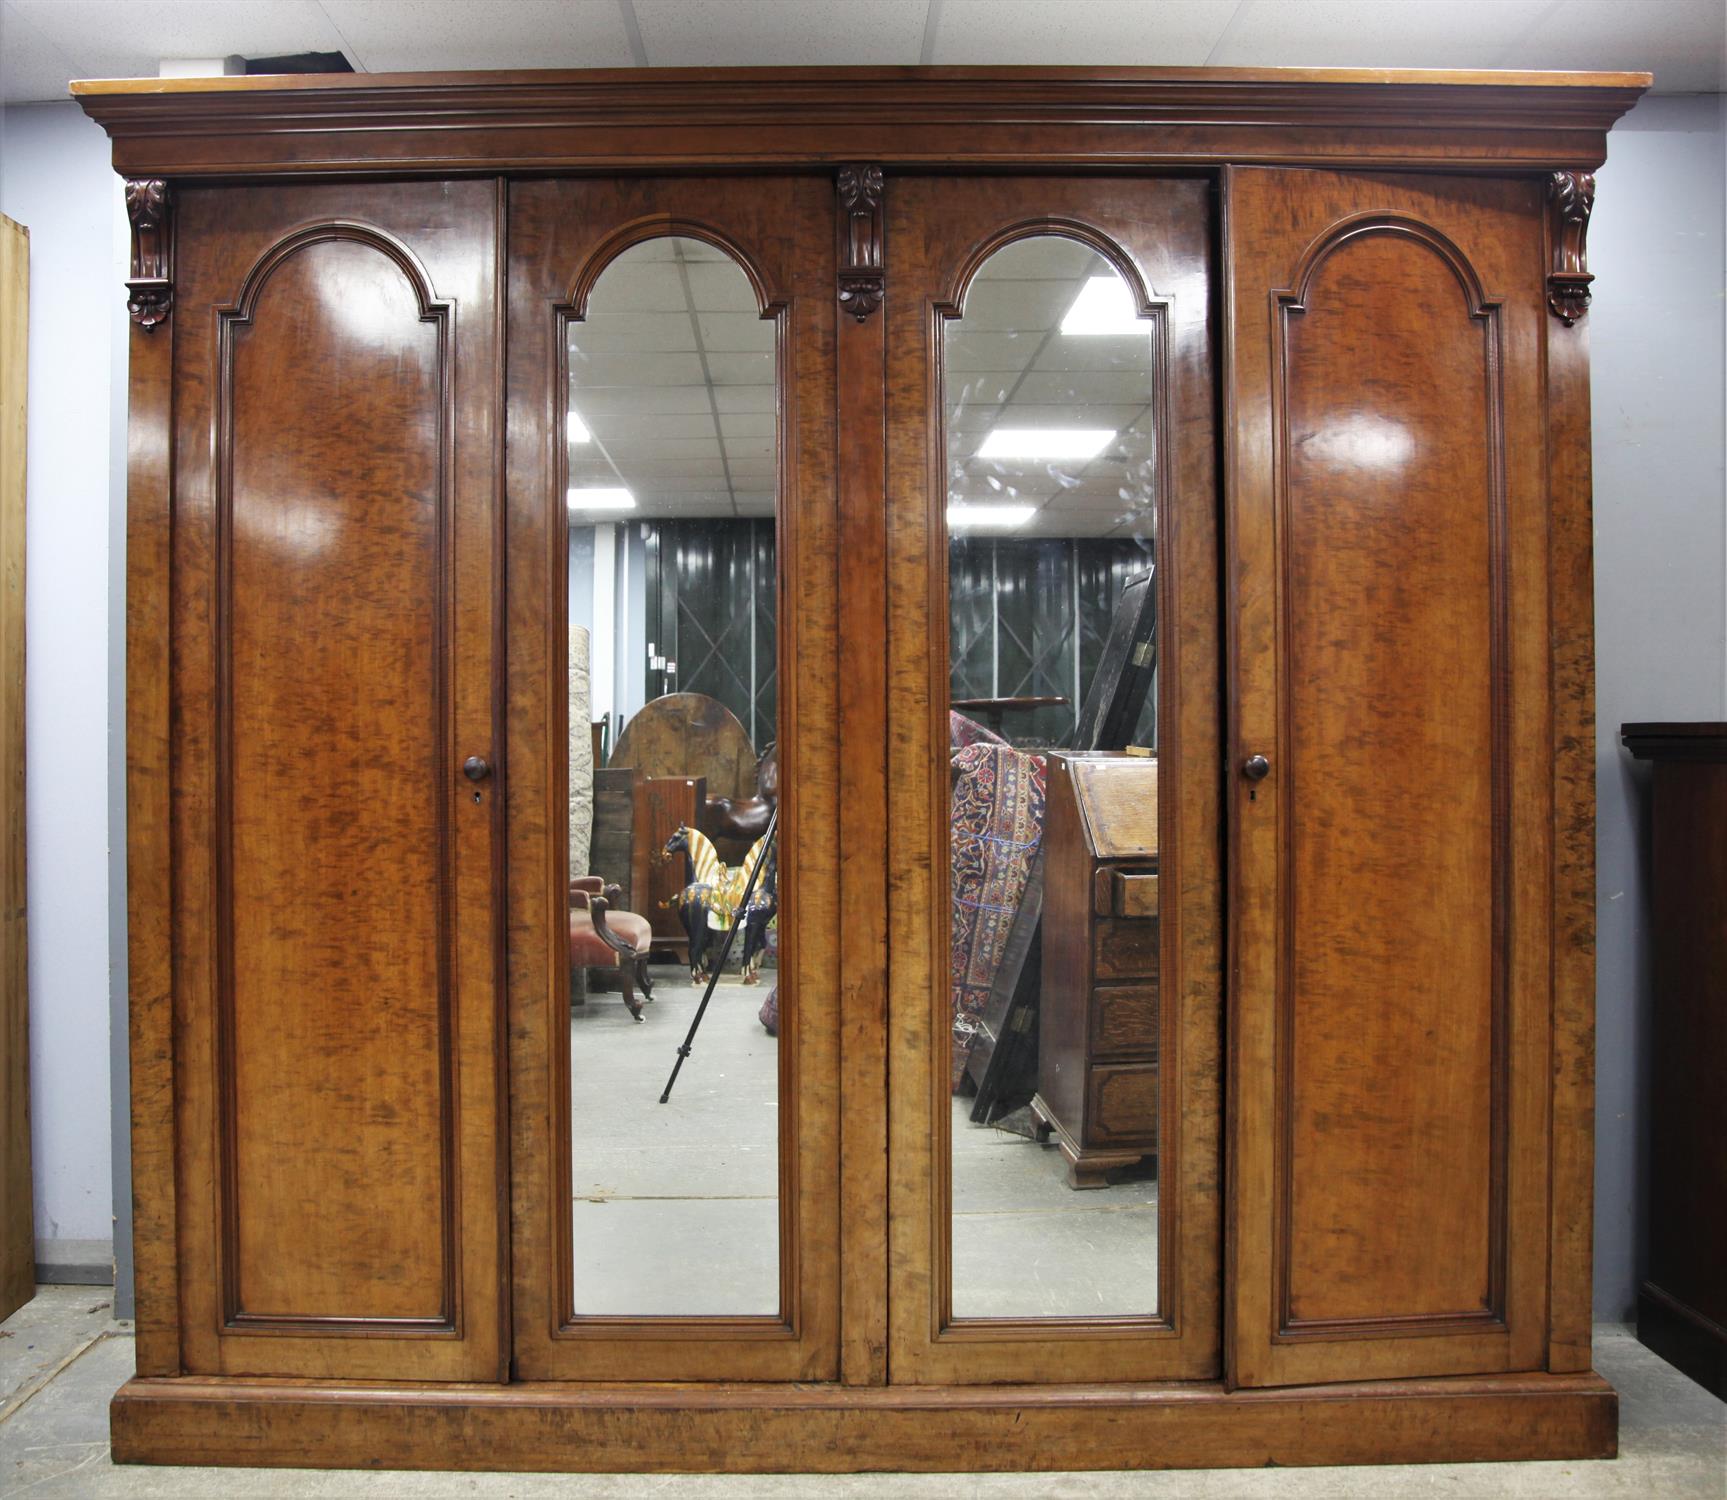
pixel 1098 1020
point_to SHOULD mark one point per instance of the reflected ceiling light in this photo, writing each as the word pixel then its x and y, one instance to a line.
pixel 989 515
pixel 1104 306
pixel 602 498
pixel 1046 442
pixel 578 429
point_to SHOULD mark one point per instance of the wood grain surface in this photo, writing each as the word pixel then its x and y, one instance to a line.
pixel 335 660
pixel 17 1214
pixel 830 1429
pixel 1392 1015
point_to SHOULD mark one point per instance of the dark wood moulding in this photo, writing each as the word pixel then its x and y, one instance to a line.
pixel 931 118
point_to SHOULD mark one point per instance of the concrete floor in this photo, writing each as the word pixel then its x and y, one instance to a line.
pixel 676 1206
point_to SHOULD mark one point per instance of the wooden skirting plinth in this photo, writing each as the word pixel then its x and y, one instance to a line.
pixel 836 1429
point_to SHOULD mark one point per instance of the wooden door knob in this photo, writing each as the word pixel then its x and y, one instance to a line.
pixel 476 768
pixel 1256 768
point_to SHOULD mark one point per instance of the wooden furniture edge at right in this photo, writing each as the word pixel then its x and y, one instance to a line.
pixel 1572 635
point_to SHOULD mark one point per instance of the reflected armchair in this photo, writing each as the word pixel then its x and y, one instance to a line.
pixel 604 937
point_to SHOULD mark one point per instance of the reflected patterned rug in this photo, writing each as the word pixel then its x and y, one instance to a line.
pixel 998 798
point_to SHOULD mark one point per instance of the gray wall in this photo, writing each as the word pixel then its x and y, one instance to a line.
pixel 55 179
pixel 1655 246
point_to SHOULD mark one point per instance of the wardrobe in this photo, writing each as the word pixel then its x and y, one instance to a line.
pixel 1324 338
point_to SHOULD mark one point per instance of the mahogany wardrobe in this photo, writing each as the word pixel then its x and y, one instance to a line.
pixel 1238 1114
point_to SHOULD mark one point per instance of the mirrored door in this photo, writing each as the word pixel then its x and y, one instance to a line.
pixel 672 779
pixel 1054 790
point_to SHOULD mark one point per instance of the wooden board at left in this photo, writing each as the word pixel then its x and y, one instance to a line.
pixel 17 1230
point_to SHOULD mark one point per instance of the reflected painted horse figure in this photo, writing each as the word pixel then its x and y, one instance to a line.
pixel 711 897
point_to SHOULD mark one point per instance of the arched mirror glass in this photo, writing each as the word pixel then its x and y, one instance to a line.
pixel 672 464
pixel 1052 396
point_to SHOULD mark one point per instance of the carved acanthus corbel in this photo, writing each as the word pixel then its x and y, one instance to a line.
pixel 150 291
pixel 1570 198
pixel 861 275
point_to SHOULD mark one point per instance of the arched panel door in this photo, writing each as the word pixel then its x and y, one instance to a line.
pixel 674 728
pixel 338 914
pixel 1054 803
pixel 1392 777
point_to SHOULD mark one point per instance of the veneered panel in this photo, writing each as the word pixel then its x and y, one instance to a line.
pixel 337 1123
pixel 336 881
pixel 1391 1011
pixel 1392 482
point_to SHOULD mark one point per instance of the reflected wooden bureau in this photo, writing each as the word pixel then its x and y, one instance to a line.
pixel 1098 1024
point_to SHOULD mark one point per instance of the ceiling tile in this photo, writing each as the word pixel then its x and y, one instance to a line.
pixel 756 398
pixel 742 369
pixel 657 332
pixel 1375 34
pixel 1069 387
pixel 400 36
pixel 764 33
pixel 1682 42
pixel 646 401
pixel 721 287
pixel 634 425
pixel 629 285
pixel 1167 33
pixel 1023 306
pixel 968 348
pixel 742 333
pixel 652 449
pixel 645 471
pixel 130 38
pixel 32 68
pixel 638 369
pixel 749 424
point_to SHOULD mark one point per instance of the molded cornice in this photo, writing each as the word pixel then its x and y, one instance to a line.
pixel 916 117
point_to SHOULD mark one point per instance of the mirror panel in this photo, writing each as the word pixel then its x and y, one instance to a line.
pixel 1053 395
pixel 672 464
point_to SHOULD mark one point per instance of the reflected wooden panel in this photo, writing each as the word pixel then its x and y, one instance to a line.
pixel 670 372
pixel 1056 423
pixel 671 328
pixel 1070 326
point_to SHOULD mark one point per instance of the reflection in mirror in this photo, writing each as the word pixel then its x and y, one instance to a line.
pixel 672 463
pixel 1052 461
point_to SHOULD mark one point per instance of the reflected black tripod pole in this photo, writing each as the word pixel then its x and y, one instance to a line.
pixel 725 951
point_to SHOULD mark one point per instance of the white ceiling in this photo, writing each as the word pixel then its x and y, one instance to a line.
pixel 45 43
pixel 672 375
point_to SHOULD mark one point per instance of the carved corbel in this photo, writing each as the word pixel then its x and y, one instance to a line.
pixel 150 291
pixel 861 275
pixel 1570 198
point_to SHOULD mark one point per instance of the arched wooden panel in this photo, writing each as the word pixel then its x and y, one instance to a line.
pixel 337 879
pixel 335 989
pixel 1391 966
pixel 1392 993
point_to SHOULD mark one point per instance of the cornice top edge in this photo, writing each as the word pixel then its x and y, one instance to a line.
pixel 722 79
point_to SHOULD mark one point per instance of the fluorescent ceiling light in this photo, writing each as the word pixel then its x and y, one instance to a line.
pixel 1046 442
pixel 1104 306
pixel 602 498
pixel 990 515
pixel 578 429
